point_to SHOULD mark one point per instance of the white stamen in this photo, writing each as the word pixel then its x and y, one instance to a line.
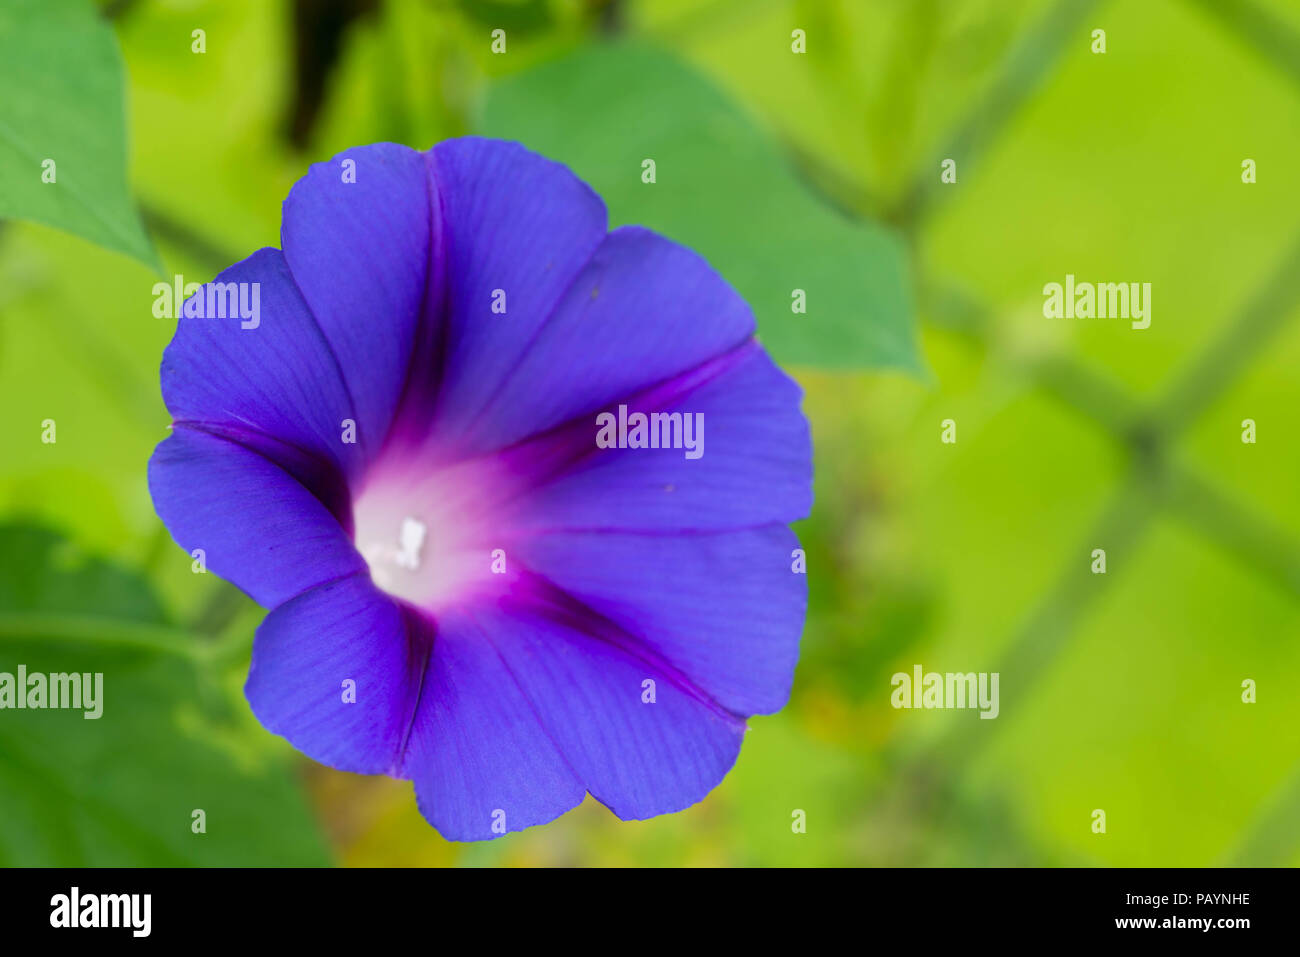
pixel 412 540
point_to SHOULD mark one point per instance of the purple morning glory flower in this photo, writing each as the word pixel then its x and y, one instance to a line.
pixel 515 488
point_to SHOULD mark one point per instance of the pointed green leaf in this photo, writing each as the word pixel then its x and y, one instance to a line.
pixel 724 190
pixel 62 125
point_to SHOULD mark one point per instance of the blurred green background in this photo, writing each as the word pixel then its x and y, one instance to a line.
pixel 818 171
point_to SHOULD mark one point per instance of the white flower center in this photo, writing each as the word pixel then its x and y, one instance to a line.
pixel 426 533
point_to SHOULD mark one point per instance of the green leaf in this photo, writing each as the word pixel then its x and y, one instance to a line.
pixel 121 789
pixel 722 189
pixel 63 104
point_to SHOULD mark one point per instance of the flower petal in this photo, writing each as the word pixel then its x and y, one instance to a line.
pixel 755 465
pixel 642 310
pixel 573 685
pixel 478 753
pixel 305 652
pixel 725 608
pixel 360 252
pixel 515 222
pixel 276 377
pixel 257 526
